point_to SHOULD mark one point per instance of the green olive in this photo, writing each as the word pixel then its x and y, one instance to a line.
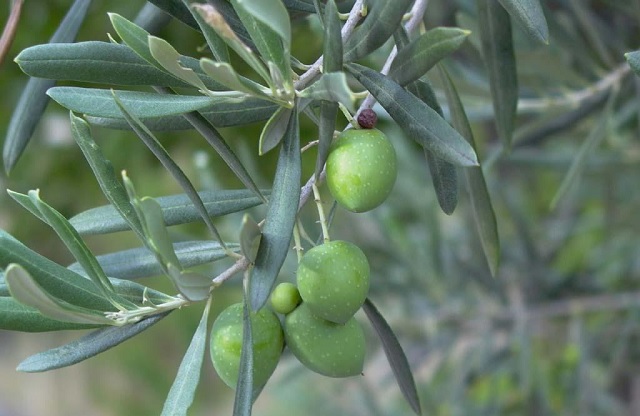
pixel 325 347
pixel 226 344
pixel 361 169
pixel 285 297
pixel 333 279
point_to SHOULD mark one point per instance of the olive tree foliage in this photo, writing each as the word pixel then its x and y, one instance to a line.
pixel 249 73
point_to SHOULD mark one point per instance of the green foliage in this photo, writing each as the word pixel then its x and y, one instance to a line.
pixel 519 301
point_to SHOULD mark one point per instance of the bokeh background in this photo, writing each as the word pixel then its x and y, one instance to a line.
pixel 555 333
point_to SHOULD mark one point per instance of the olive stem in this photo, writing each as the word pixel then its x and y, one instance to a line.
pixel 323 220
pixel 297 243
pixel 348 116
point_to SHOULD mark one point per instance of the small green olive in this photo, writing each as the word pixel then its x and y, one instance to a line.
pixel 327 348
pixel 226 344
pixel 285 297
pixel 361 169
pixel 333 279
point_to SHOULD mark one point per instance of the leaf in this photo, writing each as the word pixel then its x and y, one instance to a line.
pixel 26 290
pixel 216 44
pixel 280 219
pixel 330 87
pixel 176 209
pixel 184 386
pixel 178 10
pixel 326 128
pixel 169 58
pixel 97 62
pixel 419 56
pixel 382 19
pixel 633 58
pixel 86 347
pixel 274 130
pixel 103 170
pixel 225 74
pixel 267 22
pixel 100 103
pixel 33 101
pixel 482 208
pixel 595 137
pixel 500 60
pixel 300 5
pixel 416 119
pixel 250 234
pixel 243 401
pixel 332 50
pixel 222 114
pixel 397 359
pixel 135 37
pixel 530 16
pixel 443 173
pixel 217 21
pixel 73 242
pixel 14 316
pixel 140 262
pixel 52 277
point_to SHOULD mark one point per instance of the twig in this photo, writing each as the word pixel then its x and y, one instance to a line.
pixel 10 29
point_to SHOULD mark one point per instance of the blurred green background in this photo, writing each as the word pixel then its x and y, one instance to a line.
pixel 555 333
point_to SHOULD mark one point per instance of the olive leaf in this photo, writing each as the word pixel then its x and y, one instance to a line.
pixel 87 346
pixel 250 234
pixel 530 16
pixel 274 130
pixel 30 107
pixel 244 397
pixel 14 316
pixel 184 386
pixel 216 44
pixel 280 218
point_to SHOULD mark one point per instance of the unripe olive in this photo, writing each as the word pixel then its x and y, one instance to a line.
pixel 333 280
pixel 226 344
pixel 325 347
pixel 285 297
pixel 361 169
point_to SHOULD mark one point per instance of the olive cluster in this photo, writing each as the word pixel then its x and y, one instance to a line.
pixel 332 280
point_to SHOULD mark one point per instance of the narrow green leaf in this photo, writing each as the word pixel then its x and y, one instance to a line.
pixel 280 219
pixel 52 277
pixel 416 118
pixel 178 10
pixel 100 103
pixel 332 50
pixel 224 73
pixel 26 290
pixel 176 209
pixel 139 262
pixel 330 87
pixel 595 137
pixel 267 22
pixel 482 208
pixel 73 242
pixel 216 44
pixel 133 36
pixel 271 13
pixel 530 16
pixel 326 128
pixel 33 101
pixel 383 17
pixel 86 347
pixel 169 58
pixel 250 234
pixel 443 174
pixel 221 147
pixel 274 130
pixel 222 114
pixel 300 5
pixel 228 13
pixel 243 401
pixel 14 316
pixel 163 156
pixel 397 359
pixel 151 18
pixel 419 56
pixel 97 62
pixel 500 60
pixel 184 386
pixel 633 58
pixel 217 21
pixel 103 170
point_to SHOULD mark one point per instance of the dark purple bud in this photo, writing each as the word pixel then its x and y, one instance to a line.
pixel 367 118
